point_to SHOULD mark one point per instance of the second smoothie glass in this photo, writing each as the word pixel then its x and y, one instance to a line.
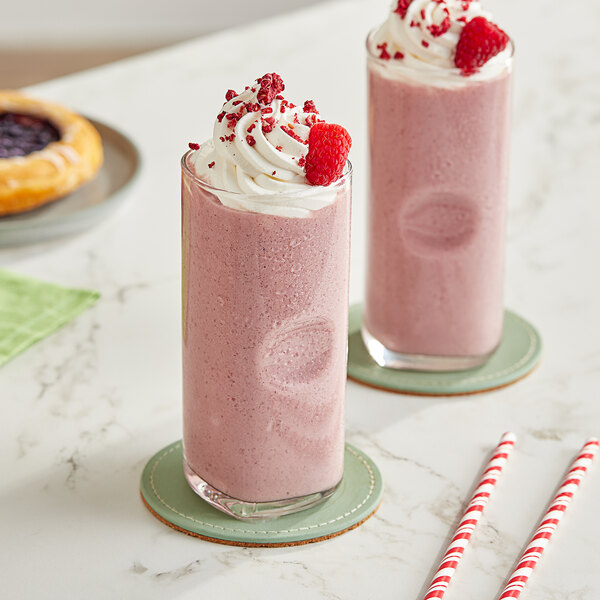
pixel 265 323
pixel 439 152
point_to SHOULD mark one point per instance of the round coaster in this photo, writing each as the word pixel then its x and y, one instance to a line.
pixel 168 496
pixel 518 354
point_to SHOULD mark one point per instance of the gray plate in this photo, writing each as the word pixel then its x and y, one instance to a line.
pixel 85 207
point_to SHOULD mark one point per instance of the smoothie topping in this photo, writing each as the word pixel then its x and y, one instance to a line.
pixel 260 145
pixel 271 85
pixel 479 41
pixel 309 107
pixel 402 7
pixel 328 148
pixel 427 34
pixel 383 53
pixel 440 29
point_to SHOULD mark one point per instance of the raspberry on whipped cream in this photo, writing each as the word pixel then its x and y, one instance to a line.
pixel 258 117
pixel 479 41
pixel 425 34
pixel 260 143
pixel 328 149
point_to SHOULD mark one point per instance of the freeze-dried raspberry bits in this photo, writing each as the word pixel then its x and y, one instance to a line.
pixel 442 28
pixel 383 52
pixel 271 85
pixel 309 107
pixel 402 7
pixel 328 148
pixel 479 41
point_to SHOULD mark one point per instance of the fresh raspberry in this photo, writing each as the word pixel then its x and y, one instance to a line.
pixel 328 148
pixel 271 85
pixel 479 41
pixel 402 7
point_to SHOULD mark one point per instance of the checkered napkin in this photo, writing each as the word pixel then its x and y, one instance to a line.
pixel 32 309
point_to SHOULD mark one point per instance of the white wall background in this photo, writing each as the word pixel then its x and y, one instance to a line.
pixel 64 23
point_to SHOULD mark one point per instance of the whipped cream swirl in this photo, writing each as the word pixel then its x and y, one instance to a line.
pixel 257 154
pixel 423 35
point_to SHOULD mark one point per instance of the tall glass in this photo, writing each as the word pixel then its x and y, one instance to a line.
pixel 265 320
pixel 439 152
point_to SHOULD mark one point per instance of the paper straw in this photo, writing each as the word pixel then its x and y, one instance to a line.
pixel 549 523
pixel 468 522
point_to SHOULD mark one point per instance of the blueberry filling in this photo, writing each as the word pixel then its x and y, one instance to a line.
pixel 21 135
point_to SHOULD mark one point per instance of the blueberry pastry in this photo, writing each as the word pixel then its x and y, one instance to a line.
pixel 46 152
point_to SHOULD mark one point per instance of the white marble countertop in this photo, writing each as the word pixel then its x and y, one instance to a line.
pixel 82 411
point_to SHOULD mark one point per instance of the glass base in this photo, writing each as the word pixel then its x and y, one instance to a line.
pixel 385 357
pixel 251 511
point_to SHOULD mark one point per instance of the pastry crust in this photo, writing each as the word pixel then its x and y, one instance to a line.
pixel 27 182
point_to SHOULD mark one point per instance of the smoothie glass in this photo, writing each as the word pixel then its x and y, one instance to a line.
pixel 265 318
pixel 439 151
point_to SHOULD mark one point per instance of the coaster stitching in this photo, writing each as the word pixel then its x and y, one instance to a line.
pixel 505 371
pixel 238 530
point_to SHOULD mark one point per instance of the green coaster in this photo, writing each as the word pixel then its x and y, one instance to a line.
pixel 168 496
pixel 518 354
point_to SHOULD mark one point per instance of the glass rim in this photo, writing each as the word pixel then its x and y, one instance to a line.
pixel 186 168
pixel 432 69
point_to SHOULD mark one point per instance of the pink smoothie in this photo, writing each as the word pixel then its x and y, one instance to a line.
pixel 438 195
pixel 265 331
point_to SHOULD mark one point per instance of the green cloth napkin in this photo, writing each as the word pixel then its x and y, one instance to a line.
pixel 32 309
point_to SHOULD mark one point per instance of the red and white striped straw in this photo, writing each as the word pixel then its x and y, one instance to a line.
pixel 549 523
pixel 462 535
